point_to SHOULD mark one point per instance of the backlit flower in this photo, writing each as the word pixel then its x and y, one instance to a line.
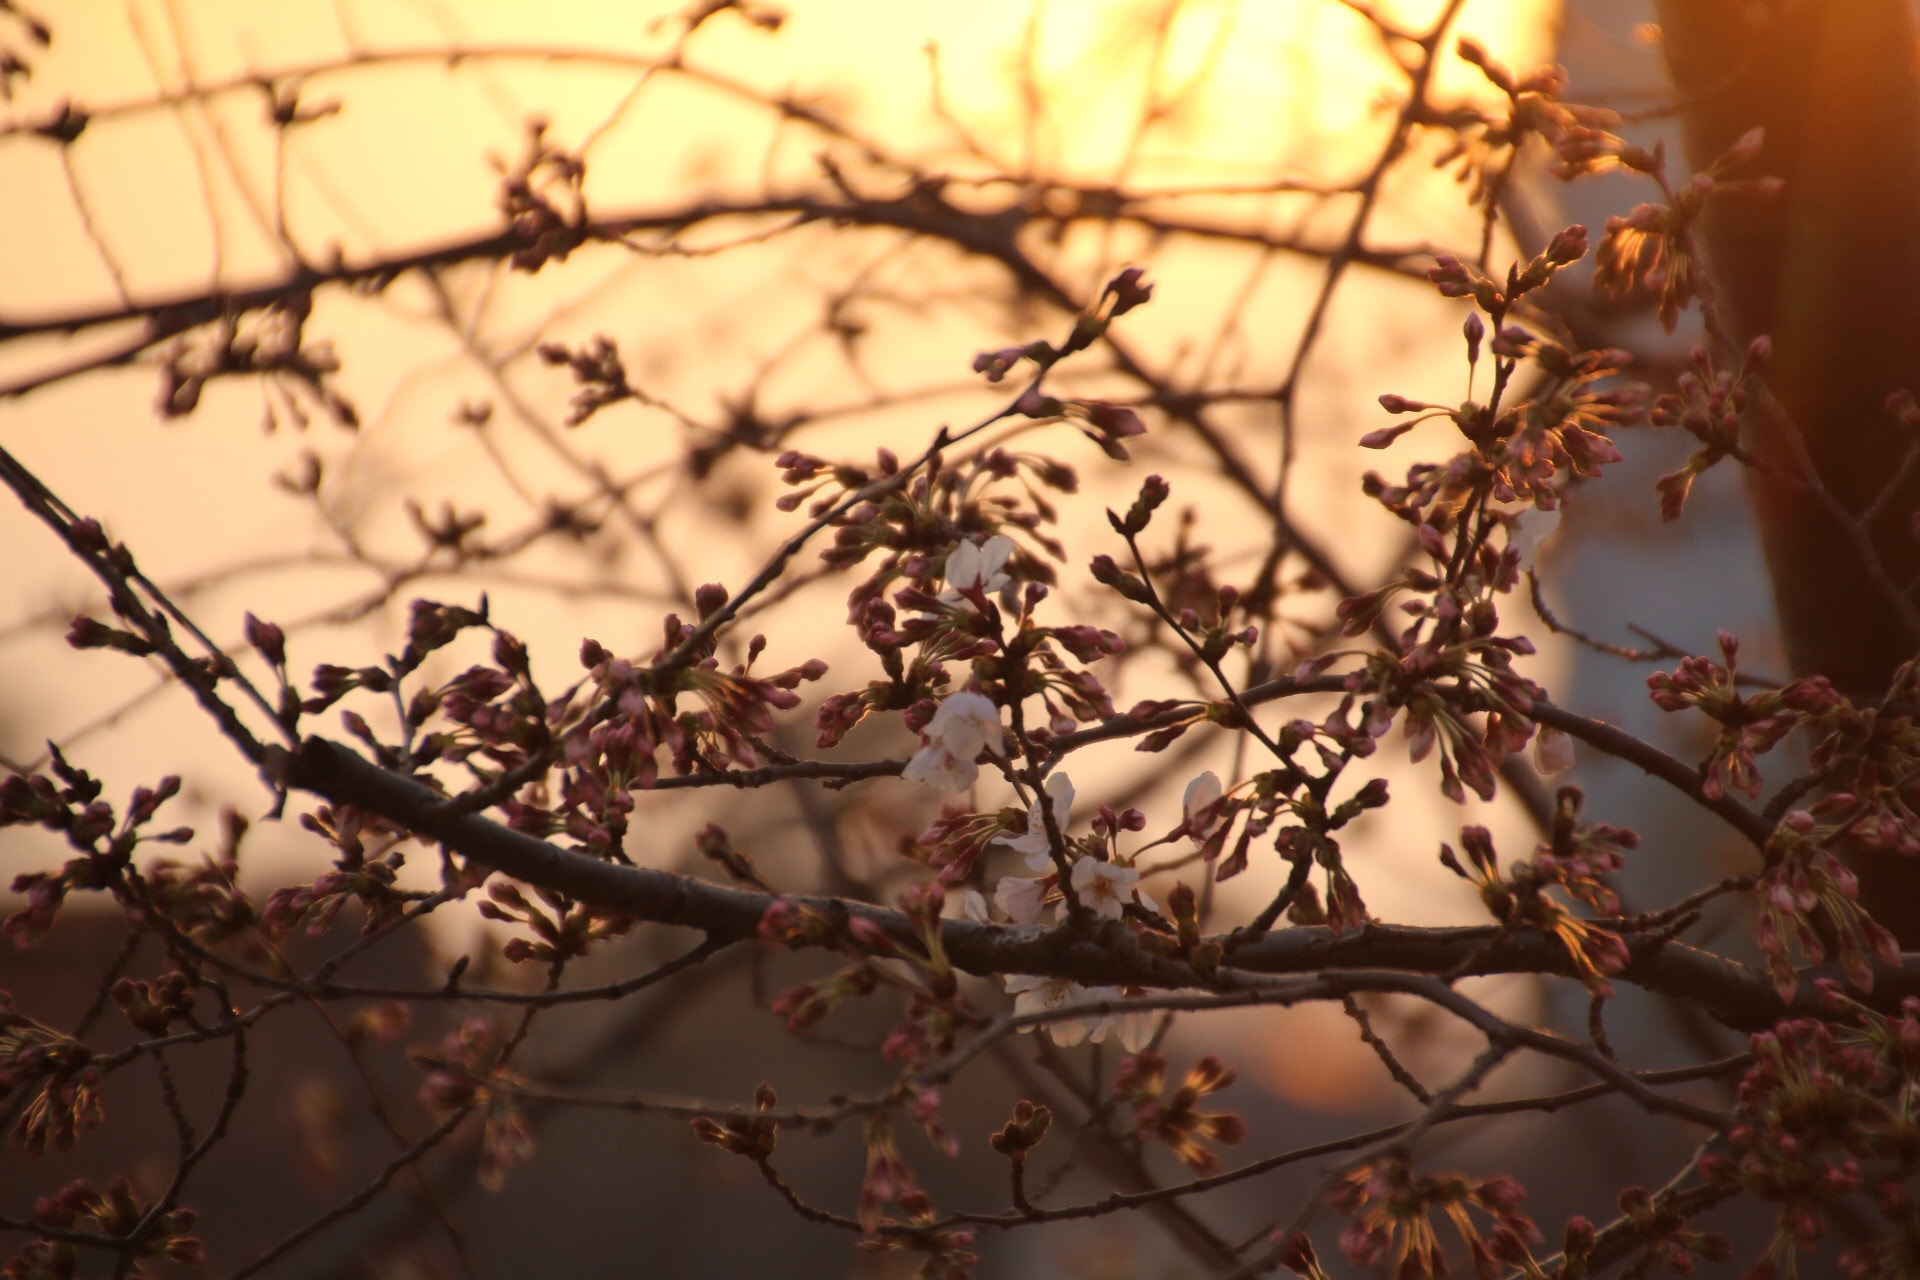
pixel 1531 530
pixel 966 724
pixel 934 766
pixel 971 565
pixel 1104 887
pixel 1552 751
pixel 1034 842
pixel 1201 794
pixel 1020 897
pixel 963 726
pixel 1056 995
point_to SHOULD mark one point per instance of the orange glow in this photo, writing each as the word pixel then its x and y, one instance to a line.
pixel 1033 97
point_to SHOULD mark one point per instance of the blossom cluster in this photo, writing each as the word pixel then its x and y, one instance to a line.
pixel 1827 1109
pixel 1392 1214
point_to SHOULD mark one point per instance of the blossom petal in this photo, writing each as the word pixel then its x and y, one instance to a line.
pixel 1104 887
pixel 965 567
pixel 1020 897
pixel 1034 843
pixel 934 766
pixel 965 724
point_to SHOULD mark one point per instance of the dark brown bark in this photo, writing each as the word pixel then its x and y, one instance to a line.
pixel 1831 269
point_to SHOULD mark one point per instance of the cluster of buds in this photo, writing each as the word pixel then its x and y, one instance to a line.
pixel 1871 756
pixel 497 711
pixel 267 342
pixel 1809 899
pixel 370 880
pixel 54 1074
pixel 1023 1132
pixel 1575 857
pixel 1826 1110
pixel 807 1003
pixel 946 1253
pixel 1709 405
pixel 1540 445
pixel 1468 760
pixel 204 900
pixel 609 756
pixel 792 923
pixel 953 842
pixel 928 1028
pixel 1663 1235
pixel 1518 900
pixel 563 930
pixel 153 1007
pixel 961 622
pixel 752 1135
pixel 1101 421
pixel 543 199
pixel 1296 1253
pixel 1176 1120
pixel 889 1181
pixel 828 482
pixel 458 1068
pixel 431 626
pixel 1127 290
pixel 1013 656
pixel 1482 145
pixel 1751 726
pixel 1393 1211
pixel 1651 249
pixel 955 523
pixel 738 704
pixel 1453 639
pixel 1520 456
pixel 467 1070
pixel 598 372
pixel 113 1212
pixel 1457 279
pixel 1528 451
pixel 935 1011
pixel 69 802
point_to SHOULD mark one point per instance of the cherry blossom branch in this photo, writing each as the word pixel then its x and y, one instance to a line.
pixel 1732 994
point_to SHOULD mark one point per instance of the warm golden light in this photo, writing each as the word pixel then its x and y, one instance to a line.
pixel 1235 117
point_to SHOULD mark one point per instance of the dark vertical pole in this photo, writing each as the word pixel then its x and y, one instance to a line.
pixel 1830 268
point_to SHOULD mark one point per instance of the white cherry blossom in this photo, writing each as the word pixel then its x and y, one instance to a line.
pixel 1053 995
pixel 967 723
pixel 1135 1029
pixel 1552 751
pixel 1201 792
pixel 934 766
pixel 1034 843
pixel 1020 897
pixel 1532 530
pixel 1104 887
pixel 972 564
pixel 961 727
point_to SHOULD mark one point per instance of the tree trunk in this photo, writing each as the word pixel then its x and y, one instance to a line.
pixel 1830 268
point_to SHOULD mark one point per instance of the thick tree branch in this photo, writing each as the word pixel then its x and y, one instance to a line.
pixel 1734 995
